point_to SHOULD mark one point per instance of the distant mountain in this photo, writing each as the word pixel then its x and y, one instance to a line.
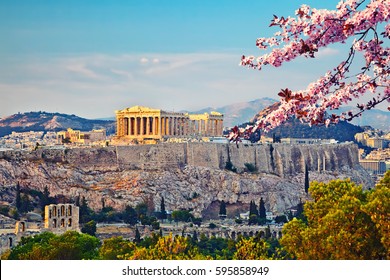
pixel 343 131
pixel 375 118
pixel 43 121
pixel 238 113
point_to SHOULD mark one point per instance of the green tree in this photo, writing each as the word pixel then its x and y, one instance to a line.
pixel 253 220
pixel 250 167
pixel 168 248
pixel 163 212
pixel 130 216
pixel 281 219
pixel 85 212
pixel 115 248
pixel 253 209
pixel 262 212
pixel 75 246
pixel 378 208
pixel 45 199
pixel 137 238
pixel 229 166
pixel 142 210
pixel 300 214
pixel 26 204
pixel 343 222
pixel 182 216
pixel 77 201
pixel 307 184
pixel 89 228
pixel 47 246
pixel 251 249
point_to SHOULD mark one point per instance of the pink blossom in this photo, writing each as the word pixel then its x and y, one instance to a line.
pixel 313 29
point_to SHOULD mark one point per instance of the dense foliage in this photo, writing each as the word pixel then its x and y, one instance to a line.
pixel 341 221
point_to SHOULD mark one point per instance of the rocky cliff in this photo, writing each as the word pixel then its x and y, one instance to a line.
pixel 188 175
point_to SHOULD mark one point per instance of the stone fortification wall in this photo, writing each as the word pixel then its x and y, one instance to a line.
pixel 278 159
pixel 151 157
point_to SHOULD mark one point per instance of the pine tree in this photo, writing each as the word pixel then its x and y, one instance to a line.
pixel 307 184
pixel 162 209
pixel 300 214
pixel 194 237
pixel 253 209
pixel 45 200
pixel 25 204
pixel 84 211
pixel 137 238
pixel 222 209
pixel 262 212
pixel 77 202
pixel 130 215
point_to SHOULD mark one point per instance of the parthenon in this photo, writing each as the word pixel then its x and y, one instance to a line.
pixel 143 123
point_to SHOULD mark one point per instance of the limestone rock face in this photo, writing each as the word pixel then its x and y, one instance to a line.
pixel 126 176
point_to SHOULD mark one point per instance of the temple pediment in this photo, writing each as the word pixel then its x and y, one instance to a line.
pixel 137 109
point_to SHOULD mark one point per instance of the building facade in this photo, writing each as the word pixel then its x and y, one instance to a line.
pixel 143 124
pixel 376 167
pixel 81 137
pixel 61 217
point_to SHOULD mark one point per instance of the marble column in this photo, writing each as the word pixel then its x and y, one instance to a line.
pixel 147 125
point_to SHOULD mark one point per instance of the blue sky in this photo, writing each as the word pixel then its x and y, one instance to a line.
pixel 91 58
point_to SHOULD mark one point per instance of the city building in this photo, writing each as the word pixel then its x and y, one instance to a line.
pixel 378 143
pixel 362 137
pixel 151 125
pixel 80 137
pixel 59 218
pixel 293 141
pixel 376 167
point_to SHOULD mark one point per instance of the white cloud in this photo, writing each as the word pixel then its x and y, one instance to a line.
pixel 83 70
pixel 96 85
pixel 144 60
pixel 326 52
pixel 123 73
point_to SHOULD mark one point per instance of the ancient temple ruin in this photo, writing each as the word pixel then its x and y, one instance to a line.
pixel 61 217
pixel 143 123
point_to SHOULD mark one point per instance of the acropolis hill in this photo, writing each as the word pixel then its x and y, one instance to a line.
pixel 187 175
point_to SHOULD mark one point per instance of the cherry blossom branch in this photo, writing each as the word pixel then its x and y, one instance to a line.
pixel 304 35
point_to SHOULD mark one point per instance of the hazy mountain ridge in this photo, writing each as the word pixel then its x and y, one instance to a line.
pixel 243 112
pixel 293 128
pixel 44 121
pixel 238 113
pixel 234 114
pixel 376 118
